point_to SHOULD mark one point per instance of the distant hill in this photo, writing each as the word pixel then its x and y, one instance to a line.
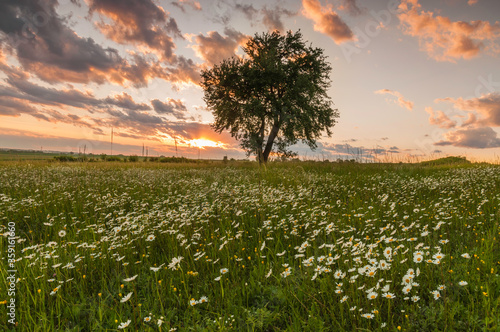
pixel 446 161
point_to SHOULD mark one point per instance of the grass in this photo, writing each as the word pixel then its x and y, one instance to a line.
pixel 214 247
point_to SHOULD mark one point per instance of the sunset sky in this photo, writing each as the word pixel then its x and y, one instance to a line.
pixel 410 78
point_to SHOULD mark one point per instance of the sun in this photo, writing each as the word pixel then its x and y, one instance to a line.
pixel 203 142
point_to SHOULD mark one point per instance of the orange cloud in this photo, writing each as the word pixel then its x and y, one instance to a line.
pixel 138 22
pixel 440 119
pixel 327 21
pixel 487 105
pixel 214 48
pixel 400 99
pixel 446 40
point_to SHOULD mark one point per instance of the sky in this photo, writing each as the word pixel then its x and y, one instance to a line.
pixel 411 79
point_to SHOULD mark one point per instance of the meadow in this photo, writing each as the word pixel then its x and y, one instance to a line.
pixel 237 247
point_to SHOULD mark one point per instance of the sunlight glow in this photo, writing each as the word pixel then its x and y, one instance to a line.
pixel 202 143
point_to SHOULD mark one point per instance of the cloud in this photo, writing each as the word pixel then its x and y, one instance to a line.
pixel 214 48
pixel 351 7
pixel 125 101
pixel 400 99
pixel 327 21
pixel 173 107
pixel 446 40
pixel 55 53
pixel 478 138
pixel 138 22
pixel 488 106
pixel 472 2
pixel 272 18
pixel 182 4
pixel 440 119
pixel 248 10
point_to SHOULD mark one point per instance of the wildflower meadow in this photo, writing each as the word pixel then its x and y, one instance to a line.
pixel 237 247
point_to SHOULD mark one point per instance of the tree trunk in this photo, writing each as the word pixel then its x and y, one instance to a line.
pixel 260 141
pixel 270 141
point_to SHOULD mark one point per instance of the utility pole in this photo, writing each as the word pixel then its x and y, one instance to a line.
pixel 143 149
pixel 175 139
pixel 111 140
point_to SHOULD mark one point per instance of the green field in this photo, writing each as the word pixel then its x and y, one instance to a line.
pixel 234 247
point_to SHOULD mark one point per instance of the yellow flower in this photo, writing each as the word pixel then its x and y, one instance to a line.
pixel 39 290
pixel 99 294
pixel 159 281
pixel 121 286
pixel 83 276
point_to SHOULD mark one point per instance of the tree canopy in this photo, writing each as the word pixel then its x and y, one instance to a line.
pixel 273 96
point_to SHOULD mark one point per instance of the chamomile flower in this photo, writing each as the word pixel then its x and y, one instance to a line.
pixel 436 294
pixel 463 283
pixel 389 295
pixel 150 237
pixel 130 279
pixel 372 295
pixel 62 233
pixel 124 325
pixel 368 316
pixel 126 297
pixel 224 271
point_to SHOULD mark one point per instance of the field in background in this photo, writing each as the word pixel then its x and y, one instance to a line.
pixel 234 247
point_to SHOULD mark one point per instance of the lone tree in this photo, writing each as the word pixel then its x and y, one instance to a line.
pixel 275 95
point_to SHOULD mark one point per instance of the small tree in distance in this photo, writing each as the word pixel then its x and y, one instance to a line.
pixel 273 97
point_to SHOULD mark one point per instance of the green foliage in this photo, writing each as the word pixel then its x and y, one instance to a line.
pixel 274 97
pixel 446 161
pixel 133 158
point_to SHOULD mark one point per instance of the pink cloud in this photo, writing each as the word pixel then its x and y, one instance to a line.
pixel 327 21
pixel 440 119
pixel 488 106
pixel 446 40
pixel 400 99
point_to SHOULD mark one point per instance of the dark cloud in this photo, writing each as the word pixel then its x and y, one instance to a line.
pixel 22 88
pixel 173 107
pixel 478 138
pixel 125 101
pixel 46 46
pixel 249 10
pixel 16 107
pixel 139 22
pixel 272 18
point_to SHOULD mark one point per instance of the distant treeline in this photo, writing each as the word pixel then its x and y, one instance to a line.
pixel 133 158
